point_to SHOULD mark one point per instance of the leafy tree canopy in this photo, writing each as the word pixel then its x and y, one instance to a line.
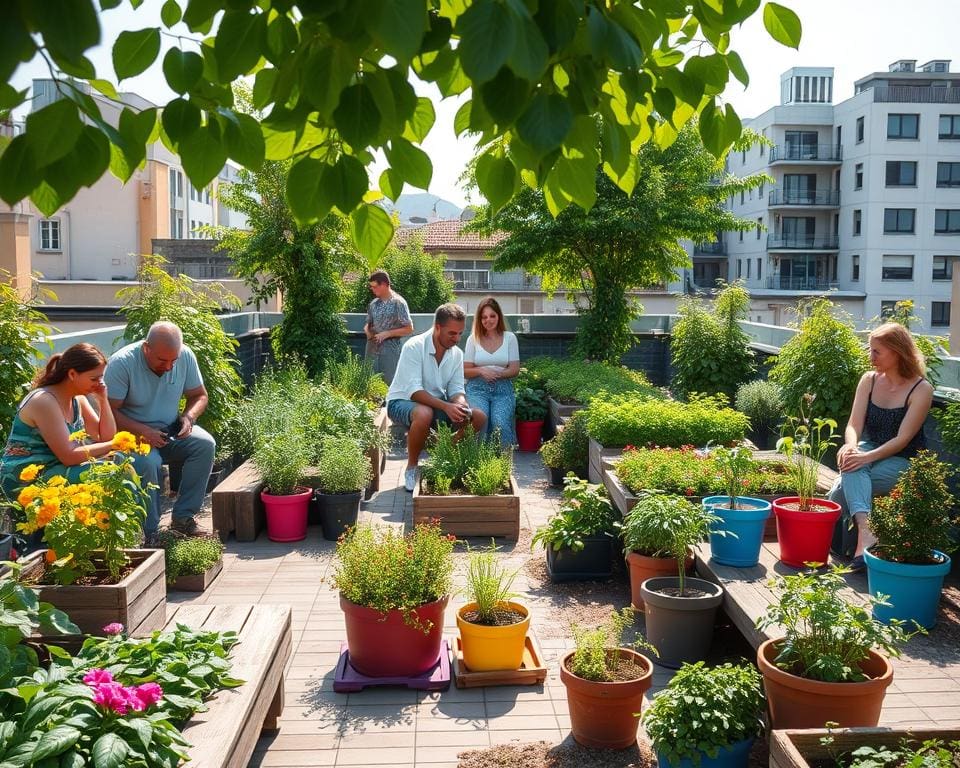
pixel 334 80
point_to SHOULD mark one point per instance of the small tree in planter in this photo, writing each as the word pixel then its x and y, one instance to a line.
pixel 343 471
pixel 762 402
pixel 706 716
pixel 579 538
pixel 568 451
pixel 605 680
pixel 913 529
pixel 736 537
pixel 281 461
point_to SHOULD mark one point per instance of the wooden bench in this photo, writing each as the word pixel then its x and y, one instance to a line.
pixel 225 735
pixel 236 504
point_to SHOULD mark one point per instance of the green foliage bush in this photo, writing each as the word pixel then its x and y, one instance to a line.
pixel 473 464
pixel 595 655
pixel 354 378
pixel 948 418
pixel 570 447
pixel 414 274
pixel 762 402
pixel 531 404
pixel 189 556
pixel 21 326
pixel 584 511
pixel 342 467
pixel 577 381
pixel 628 420
pixel 281 460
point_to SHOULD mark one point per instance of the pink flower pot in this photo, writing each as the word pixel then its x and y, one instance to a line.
pixel 287 515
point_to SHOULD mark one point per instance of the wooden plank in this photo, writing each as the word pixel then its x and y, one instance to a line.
pixel 236 503
pixel 197 582
pixel 191 615
pixel 531 672
pixel 802 748
pixel 598 455
pixel 465 515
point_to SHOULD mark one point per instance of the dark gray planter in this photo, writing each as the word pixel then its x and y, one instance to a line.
pixel 338 511
pixel 680 628
pixel 6 546
pixel 594 561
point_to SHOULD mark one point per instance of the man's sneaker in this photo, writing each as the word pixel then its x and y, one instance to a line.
pixel 186 525
pixel 410 479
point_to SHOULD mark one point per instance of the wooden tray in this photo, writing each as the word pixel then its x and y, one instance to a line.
pixel 531 672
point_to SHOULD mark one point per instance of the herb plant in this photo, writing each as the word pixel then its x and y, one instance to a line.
pixel 282 460
pixel 189 556
pixel 584 511
pixel 490 476
pixel 932 753
pixel 762 402
pixel 595 653
pixel 704 709
pixel 488 584
pixel 478 465
pixel 578 381
pixel 810 439
pixel 531 404
pixel 354 378
pixel 342 467
pixel 569 448
pixel 734 464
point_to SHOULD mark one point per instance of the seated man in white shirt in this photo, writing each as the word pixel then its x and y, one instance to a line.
pixel 428 386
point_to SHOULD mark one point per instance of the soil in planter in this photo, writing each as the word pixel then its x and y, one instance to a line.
pixel 687 592
pixel 501 618
pixel 427 490
pixel 624 671
pixel 794 506
pixel 43 577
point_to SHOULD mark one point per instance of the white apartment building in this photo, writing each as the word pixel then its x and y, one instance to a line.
pixel 865 199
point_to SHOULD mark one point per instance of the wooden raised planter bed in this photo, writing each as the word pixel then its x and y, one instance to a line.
pixel 236 504
pixel 802 748
pixel 139 601
pixel 197 582
pixel 378 458
pixel 466 515
pixel 600 456
pixel 558 413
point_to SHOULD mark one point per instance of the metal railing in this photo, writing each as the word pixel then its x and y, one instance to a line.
pixel 829 197
pixel 709 249
pixel 814 153
pixel 201 270
pixel 916 94
pixel 807 242
pixel 784 283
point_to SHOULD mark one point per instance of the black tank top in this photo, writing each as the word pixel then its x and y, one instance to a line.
pixel 883 424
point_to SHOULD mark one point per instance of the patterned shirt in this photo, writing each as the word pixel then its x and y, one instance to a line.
pixel 389 314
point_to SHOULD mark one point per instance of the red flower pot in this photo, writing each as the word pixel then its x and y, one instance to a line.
pixel 805 535
pixel 287 515
pixel 387 646
pixel 528 435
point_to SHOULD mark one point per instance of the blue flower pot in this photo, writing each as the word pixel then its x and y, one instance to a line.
pixel 741 546
pixel 735 755
pixel 913 590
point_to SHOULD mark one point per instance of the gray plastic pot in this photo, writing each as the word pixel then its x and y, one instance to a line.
pixel 680 628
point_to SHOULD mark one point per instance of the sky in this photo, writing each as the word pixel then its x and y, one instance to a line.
pixel 855 37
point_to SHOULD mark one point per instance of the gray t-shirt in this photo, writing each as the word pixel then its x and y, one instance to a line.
pixel 388 314
pixel 150 399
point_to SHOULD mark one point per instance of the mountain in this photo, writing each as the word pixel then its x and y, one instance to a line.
pixel 421 208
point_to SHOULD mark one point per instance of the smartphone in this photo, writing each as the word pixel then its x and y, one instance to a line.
pixel 174 429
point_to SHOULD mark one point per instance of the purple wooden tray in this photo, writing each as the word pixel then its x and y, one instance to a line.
pixel 437 678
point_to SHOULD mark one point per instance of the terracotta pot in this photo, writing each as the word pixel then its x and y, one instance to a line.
pixel 604 715
pixel 796 702
pixel 488 648
pixel 386 646
pixel 643 568
pixel 805 536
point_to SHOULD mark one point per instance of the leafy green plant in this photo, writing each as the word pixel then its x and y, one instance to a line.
pixel 762 402
pixel 160 296
pixel 584 511
pixel 570 447
pixel 342 467
pixel 596 649
pixel 704 709
pixel 384 569
pixel 734 464
pixel 416 275
pixel 666 526
pixel 473 462
pixel 621 420
pixel 531 404
pixel 577 381
pixel 281 461
pixel 810 439
pixel 915 519
pixel 490 476
pixel 932 753
pixel 189 556
pixel 488 584
pixel 827 636
pixel 827 357
pixel 354 378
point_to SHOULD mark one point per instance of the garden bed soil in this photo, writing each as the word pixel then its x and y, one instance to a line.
pixel 803 748
pixel 466 515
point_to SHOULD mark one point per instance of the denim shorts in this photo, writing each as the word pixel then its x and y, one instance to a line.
pixel 401 412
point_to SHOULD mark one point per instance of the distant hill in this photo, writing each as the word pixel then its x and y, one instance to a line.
pixel 421 208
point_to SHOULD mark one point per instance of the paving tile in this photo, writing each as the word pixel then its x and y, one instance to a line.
pixel 285 758
pixel 520 708
pixel 462 737
pixel 523 723
pixel 352 739
pixel 375 756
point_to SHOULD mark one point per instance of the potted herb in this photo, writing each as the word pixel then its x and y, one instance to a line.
pixel 605 681
pixel 736 537
pixel 568 450
pixel 706 716
pixel 393 592
pixel 804 523
pixel 342 472
pixel 680 610
pixel 281 460
pixel 910 558
pixel 493 628
pixel 531 410
pixel 579 538
pixel 192 563
pixel 832 663
pixel 762 402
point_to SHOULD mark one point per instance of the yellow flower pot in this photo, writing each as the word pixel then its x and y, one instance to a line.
pixel 487 648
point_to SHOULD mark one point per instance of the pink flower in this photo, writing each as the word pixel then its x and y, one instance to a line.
pixel 115 628
pixel 95 677
pixel 148 694
pixel 112 696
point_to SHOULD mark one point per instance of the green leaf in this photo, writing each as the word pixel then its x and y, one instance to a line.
pixel 56 740
pixel 544 124
pixel 16 45
pixel 170 13
pixel 180 118
pixel 391 184
pixel 82 167
pixel 497 179
pixel 782 24
pixel 411 163
pixel 239 41
pixel 488 34
pixel 244 140
pixel 328 71
pixel 372 231
pixel 710 70
pixel 109 751
pixel 53 130
pixel 135 51
pixel 203 155
pixel 346 183
pixel 400 25
pixel 263 87
pixel 282 39
pixel 182 69
pixel 10 97
pixel 72 759
pixel 305 190
pixel 69 27
pixel 735 63
pixel 357 117
pixel 505 96
pixel 557 21
pixel 577 178
pixel 529 55
pixel 106 88
pixel 106 5
pixel 199 14
pixel 422 120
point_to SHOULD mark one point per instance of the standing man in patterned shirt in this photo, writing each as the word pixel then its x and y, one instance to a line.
pixel 388 321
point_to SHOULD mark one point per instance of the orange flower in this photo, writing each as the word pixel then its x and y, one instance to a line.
pixel 125 441
pixel 51 556
pixel 28 495
pixel 30 472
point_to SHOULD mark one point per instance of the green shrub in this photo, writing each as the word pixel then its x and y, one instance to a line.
pixel 531 404
pixel 189 556
pixel 473 464
pixel 414 274
pixel 342 467
pixel 628 420
pixel 354 378
pixel 585 511
pixel 762 402
pixel 281 461
pixel 570 448
pixel 948 419
pixel 577 381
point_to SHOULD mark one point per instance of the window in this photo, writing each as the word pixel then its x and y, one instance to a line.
pixel 943 267
pixel 940 313
pixel 193 192
pixel 206 195
pixel 858 176
pixel 950 127
pixel 896 267
pixel 759 269
pixel 741 235
pixel 859 130
pixel 800 188
pixel 49 234
pixel 739 267
pixel 903 126
pixel 887 308
pixel 801 145
pixel 947 221
pixel 948 174
pixel 839 135
pixel 741 197
pixel 899 220
pixel 902 173
pixel 760 192
pixel 176 224
pixel 857 221
pixel 855 271
pixel 749 265
pixel 759 226
pixel 743 157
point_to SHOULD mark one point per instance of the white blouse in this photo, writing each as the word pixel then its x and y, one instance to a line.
pixel 508 352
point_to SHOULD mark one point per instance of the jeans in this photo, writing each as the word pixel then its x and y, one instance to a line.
pixel 384 357
pixel 497 400
pixel 196 453
pixel 854 491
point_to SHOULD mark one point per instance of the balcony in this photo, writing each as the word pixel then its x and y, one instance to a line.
pixel 709 249
pixel 802 242
pixel 825 198
pixel 806 153
pixel 785 283
pixel 915 94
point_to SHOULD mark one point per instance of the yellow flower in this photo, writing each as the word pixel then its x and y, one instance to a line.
pixel 124 441
pixel 57 481
pixel 30 472
pixel 79 436
pixel 143 449
pixel 50 493
pixel 28 495
pixel 83 515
